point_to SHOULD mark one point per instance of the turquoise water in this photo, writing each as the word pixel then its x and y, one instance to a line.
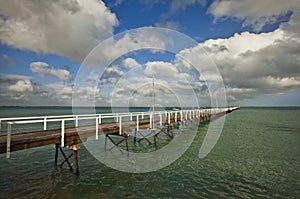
pixel 256 156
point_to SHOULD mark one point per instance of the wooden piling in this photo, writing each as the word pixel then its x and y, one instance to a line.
pixel 56 154
pixel 75 149
pixel 75 154
pixel 154 136
pixel 125 135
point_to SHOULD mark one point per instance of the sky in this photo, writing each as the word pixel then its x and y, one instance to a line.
pixel 109 52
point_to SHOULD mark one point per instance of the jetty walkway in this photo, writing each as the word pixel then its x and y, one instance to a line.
pixel 109 124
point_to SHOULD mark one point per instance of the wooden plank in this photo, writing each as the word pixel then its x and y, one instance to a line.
pixel 20 141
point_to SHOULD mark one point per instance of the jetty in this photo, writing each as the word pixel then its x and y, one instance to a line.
pixel 108 125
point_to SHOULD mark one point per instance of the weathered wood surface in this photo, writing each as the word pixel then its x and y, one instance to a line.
pixel 20 141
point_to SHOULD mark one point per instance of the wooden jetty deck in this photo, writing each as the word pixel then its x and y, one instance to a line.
pixel 71 137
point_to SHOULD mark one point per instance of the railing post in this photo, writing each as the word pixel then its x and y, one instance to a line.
pixel 100 119
pixel 45 123
pixel 137 122
pixel 142 115
pixel 117 117
pixel 97 127
pixel 175 116
pixel 181 116
pixel 160 119
pixel 150 125
pixel 8 139
pixel 76 121
pixel 62 141
pixel 120 125
pixel 130 116
pixel 169 117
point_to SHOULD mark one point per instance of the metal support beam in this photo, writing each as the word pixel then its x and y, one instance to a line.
pixel 74 153
pixel 66 159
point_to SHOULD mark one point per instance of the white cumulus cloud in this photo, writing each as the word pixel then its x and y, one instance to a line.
pixel 164 70
pixel 130 63
pixel 68 28
pixel 44 69
pixel 255 13
pixel 21 86
pixel 252 64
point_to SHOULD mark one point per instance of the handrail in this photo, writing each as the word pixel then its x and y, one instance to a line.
pixel 53 118
pixel 184 115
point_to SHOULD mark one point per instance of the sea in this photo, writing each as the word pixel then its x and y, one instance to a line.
pixel 256 156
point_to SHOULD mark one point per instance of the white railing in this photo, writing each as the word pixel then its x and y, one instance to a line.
pixel 118 117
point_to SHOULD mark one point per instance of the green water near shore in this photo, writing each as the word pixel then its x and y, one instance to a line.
pixel 256 156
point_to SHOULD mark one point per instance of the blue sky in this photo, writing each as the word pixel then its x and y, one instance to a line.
pixel 253 47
